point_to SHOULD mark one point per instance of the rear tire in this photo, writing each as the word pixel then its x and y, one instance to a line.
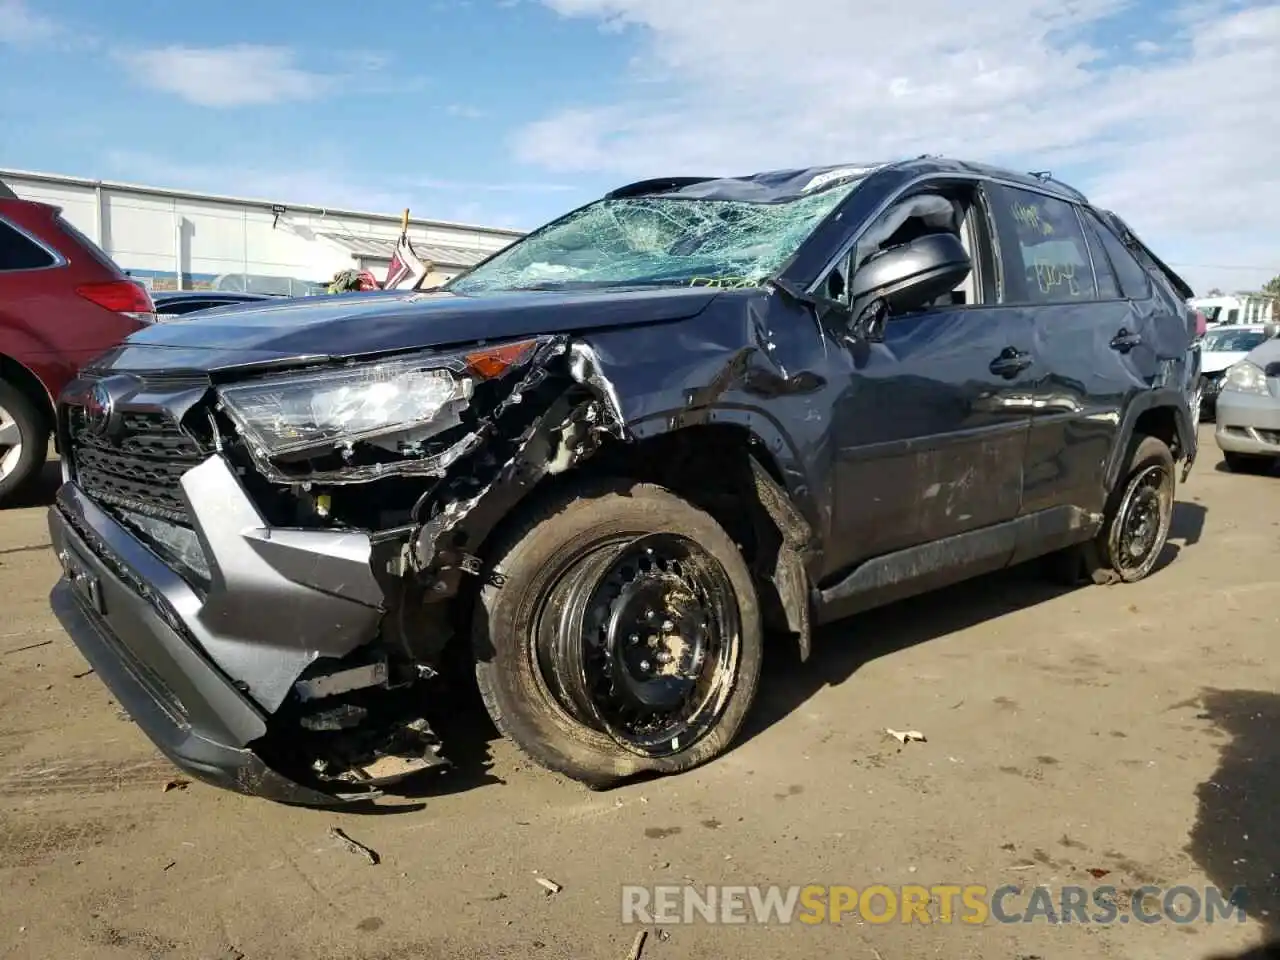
pixel 569 585
pixel 24 441
pixel 1247 462
pixel 1136 522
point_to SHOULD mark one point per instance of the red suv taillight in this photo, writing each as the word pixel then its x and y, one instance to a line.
pixel 1202 324
pixel 123 296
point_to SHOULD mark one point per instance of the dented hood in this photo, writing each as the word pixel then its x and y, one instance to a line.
pixel 275 333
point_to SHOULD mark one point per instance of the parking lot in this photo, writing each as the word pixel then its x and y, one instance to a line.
pixel 1121 735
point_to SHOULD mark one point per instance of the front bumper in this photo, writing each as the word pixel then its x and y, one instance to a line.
pixel 201 672
pixel 1248 423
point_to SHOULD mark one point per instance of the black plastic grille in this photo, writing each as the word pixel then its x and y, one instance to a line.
pixel 138 467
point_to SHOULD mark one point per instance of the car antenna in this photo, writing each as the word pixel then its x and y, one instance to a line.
pixel 1042 174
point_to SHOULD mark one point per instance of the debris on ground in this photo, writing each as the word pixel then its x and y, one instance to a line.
pixel 551 886
pixel 637 945
pixel 359 849
pixel 170 865
pixel 81 676
pixel 178 783
pixel 906 736
pixel 29 646
pixel 1098 872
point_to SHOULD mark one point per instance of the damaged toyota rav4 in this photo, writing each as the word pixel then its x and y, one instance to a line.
pixel 606 462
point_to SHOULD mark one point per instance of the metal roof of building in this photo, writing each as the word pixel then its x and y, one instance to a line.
pixel 382 248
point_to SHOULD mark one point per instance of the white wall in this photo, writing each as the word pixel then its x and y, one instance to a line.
pixel 158 235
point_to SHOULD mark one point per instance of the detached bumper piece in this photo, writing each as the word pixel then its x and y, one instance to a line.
pixel 211 673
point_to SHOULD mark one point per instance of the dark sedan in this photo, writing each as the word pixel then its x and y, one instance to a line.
pixel 179 302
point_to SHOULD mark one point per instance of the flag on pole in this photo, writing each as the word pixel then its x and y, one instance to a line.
pixel 407 269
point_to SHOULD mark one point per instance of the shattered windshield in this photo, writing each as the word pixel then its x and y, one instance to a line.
pixel 658 240
pixel 1233 341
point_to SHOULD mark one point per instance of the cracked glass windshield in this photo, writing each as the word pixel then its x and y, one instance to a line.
pixel 658 240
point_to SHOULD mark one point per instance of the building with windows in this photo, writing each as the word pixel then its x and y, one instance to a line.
pixel 180 240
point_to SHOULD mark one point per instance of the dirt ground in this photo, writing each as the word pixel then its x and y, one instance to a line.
pixel 1123 735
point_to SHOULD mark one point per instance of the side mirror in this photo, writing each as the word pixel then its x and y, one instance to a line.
pixel 1271 330
pixel 907 277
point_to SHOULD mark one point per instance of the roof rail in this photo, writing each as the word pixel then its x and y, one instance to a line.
pixel 657 185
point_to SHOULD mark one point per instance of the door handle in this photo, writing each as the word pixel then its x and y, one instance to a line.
pixel 1010 363
pixel 1124 341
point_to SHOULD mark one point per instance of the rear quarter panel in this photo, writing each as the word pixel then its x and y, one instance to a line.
pixel 44 324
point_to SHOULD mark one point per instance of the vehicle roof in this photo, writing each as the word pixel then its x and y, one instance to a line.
pixel 1238 327
pixel 773 186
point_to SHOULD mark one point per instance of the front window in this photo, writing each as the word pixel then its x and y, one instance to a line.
pixel 1233 341
pixel 658 240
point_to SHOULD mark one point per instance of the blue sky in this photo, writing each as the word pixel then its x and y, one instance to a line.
pixel 508 112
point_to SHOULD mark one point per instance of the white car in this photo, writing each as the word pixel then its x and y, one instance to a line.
pixel 1223 346
pixel 1248 430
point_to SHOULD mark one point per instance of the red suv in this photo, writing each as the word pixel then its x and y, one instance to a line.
pixel 62 302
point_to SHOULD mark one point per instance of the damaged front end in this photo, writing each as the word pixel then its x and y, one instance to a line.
pixel 267 571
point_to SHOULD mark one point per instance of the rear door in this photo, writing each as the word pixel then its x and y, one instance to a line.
pixel 1093 346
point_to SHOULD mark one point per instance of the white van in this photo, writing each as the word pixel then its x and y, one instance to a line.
pixel 1235 310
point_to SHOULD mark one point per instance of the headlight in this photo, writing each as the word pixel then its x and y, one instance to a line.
pixel 286 414
pixel 1246 377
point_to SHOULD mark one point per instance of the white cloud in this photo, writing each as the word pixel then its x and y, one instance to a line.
pixel 1178 141
pixel 231 76
pixel 22 26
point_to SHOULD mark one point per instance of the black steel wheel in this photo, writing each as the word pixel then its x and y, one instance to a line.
pixel 641 640
pixel 625 636
pixel 1140 512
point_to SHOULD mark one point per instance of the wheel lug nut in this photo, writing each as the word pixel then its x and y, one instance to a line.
pixel 633 639
pixel 644 665
pixel 668 626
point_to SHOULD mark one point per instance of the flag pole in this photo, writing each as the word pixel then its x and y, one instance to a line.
pixel 404 221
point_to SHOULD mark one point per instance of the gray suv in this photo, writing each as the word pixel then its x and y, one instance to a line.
pixel 599 466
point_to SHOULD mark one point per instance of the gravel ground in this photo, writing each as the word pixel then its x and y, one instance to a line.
pixel 1123 735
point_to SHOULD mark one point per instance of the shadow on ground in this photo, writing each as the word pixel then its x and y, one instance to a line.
pixel 1236 837
pixel 840 649
pixel 1263 468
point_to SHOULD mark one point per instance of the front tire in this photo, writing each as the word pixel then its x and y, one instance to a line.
pixel 619 634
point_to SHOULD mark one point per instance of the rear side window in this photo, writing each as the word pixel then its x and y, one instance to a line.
pixel 1134 282
pixel 20 252
pixel 1043 247
pixel 1108 284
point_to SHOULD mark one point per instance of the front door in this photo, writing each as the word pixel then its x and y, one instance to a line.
pixel 932 427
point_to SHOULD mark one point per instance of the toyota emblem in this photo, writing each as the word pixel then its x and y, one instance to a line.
pixel 97 409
